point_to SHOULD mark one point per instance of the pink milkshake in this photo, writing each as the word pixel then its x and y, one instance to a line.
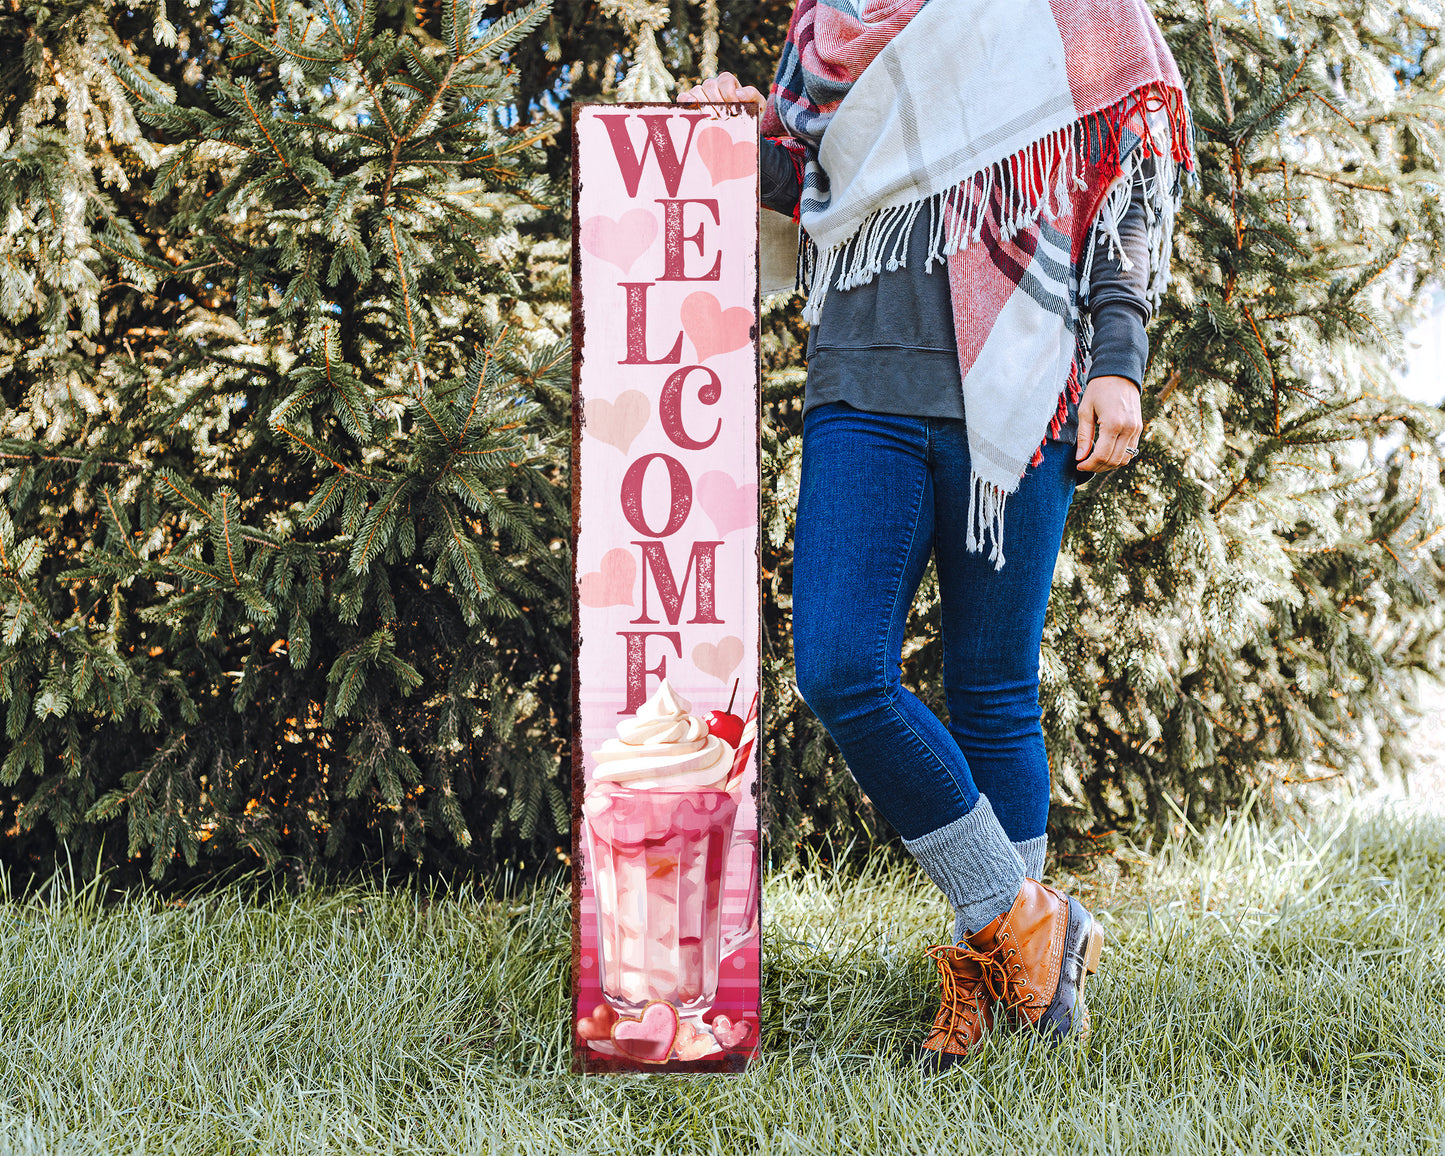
pixel 659 822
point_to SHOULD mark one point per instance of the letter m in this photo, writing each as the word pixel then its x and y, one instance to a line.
pixel 654 561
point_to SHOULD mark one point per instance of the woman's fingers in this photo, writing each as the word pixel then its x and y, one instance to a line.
pixel 747 94
pixel 702 94
pixel 725 91
pixel 733 91
pixel 1105 451
pixel 1111 446
pixel 1109 411
pixel 721 91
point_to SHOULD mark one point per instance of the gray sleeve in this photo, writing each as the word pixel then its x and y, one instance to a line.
pixel 1117 303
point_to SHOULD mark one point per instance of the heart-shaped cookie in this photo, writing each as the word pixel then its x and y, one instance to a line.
pixel 730 1034
pixel 597 1026
pixel 693 1043
pixel 648 1037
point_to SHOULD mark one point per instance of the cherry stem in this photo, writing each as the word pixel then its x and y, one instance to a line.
pixel 732 696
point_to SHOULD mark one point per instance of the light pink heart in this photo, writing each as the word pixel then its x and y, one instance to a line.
pixel 725 159
pixel 692 1044
pixel 612 584
pixel 730 1034
pixel 729 505
pixel 622 241
pixel 649 1037
pixel 617 422
pixel 713 329
pixel 720 660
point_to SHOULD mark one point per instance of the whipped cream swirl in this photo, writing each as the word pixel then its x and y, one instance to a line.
pixel 664 746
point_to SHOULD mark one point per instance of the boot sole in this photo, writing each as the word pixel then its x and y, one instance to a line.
pixel 1094 949
pixel 933 1063
pixel 1084 1026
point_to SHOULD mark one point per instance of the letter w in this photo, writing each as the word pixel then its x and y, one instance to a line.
pixel 658 139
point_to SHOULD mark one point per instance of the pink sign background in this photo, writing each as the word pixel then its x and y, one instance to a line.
pixel 665 502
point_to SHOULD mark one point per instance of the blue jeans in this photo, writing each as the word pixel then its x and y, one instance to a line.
pixel 880 492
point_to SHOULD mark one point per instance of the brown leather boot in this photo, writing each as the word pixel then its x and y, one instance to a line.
pixel 1038 953
pixel 966 1014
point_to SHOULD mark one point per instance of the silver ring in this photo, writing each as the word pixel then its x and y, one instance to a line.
pixel 1130 450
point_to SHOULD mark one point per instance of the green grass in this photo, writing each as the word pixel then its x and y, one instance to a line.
pixel 1262 991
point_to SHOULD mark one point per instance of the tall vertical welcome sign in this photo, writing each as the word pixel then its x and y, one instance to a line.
pixel 665 956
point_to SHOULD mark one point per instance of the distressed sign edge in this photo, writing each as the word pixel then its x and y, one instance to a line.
pixel 584 1061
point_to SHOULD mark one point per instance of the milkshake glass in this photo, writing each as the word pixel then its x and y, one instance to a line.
pixel 660 823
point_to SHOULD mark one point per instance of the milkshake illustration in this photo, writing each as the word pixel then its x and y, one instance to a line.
pixel 659 812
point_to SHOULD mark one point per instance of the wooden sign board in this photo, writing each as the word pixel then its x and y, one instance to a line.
pixel 665 953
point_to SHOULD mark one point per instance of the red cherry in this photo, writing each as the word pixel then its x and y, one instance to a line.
pixel 727 727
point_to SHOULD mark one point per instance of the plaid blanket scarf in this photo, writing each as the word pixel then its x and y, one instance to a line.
pixel 1018 126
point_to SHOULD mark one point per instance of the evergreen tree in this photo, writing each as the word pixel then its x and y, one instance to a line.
pixel 284 565
pixel 1267 572
pixel 586 49
pixel 283 555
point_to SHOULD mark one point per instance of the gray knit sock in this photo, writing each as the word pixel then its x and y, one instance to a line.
pixel 1032 851
pixel 974 865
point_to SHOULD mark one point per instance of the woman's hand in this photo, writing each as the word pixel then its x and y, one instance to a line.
pixel 1112 402
pixel 724 90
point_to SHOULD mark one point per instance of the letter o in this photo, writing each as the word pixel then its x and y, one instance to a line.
pixel 678 508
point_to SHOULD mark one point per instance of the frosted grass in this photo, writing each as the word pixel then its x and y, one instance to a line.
pixel 1262 990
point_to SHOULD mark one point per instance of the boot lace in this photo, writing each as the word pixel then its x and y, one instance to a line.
pixel 960 992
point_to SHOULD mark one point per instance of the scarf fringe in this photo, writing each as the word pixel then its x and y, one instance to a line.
pixel 1034 181
pixel 1163 194
pixel 987 500
pixel 1072 391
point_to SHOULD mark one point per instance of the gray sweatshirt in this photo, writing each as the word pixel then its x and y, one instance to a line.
pixel 887 346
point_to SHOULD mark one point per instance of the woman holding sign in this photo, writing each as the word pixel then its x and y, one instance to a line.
pixel 986 194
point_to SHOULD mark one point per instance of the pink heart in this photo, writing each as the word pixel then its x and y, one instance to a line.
pixel 612 584
pixel 720 660
pixel 725 159
pixel 713 329
pixel 622 241
pixel 729 505
pixel 730 1034
pixel 649 1037
pixel 617 422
